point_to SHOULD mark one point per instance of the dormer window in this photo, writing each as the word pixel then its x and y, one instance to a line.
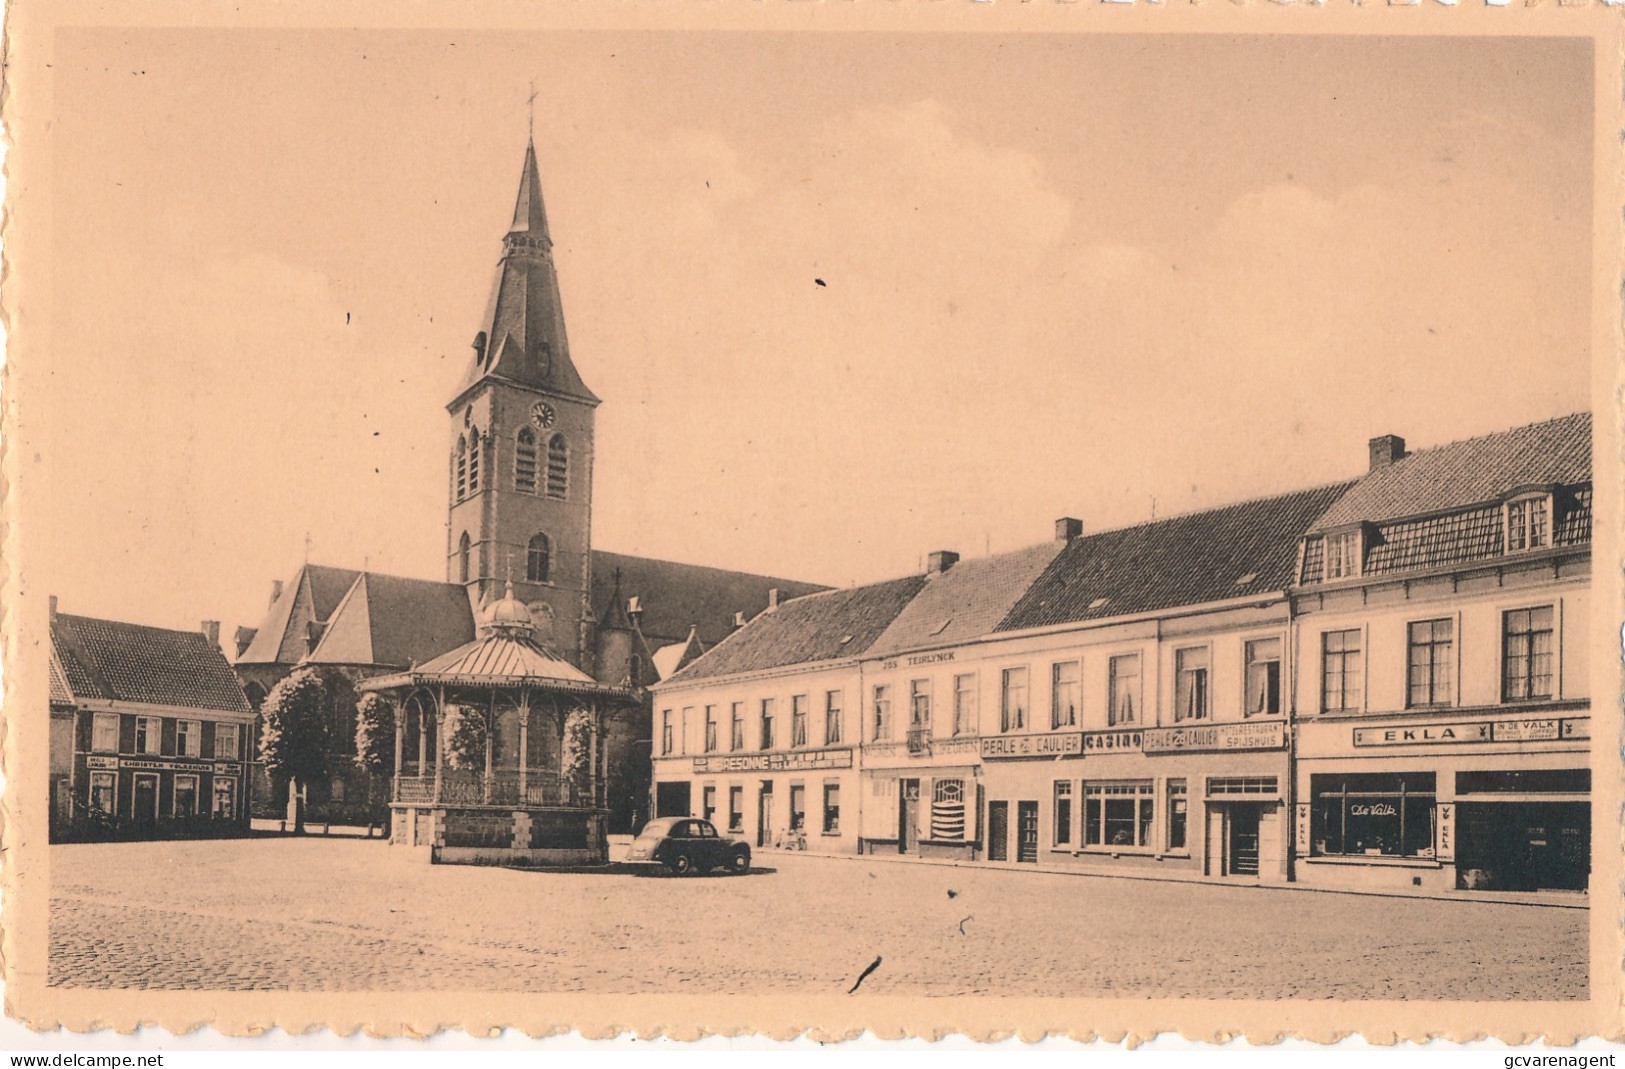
pixel 1343 555
pixel 1529 522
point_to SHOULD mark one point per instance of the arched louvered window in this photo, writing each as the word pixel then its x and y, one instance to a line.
pixel 539 559
pixel 558 466
pixel 465 551
pixel 460 465
pixel 474 461
pixel 524 462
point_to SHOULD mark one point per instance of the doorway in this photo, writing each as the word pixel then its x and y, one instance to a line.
pixel 764 814
pixel 998 831
pixel 1524 846
pixel 1027 832
pixel 672 799
pixel 908 817
pixel 144 801
pixel 1241 845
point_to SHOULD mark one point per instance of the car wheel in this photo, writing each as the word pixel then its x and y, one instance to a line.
pixel 739 863
pixel 682 865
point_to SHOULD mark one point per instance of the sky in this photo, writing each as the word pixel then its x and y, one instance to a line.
pixel 1104 276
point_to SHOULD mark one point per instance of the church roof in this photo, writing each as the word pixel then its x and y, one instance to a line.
pixel 522 338
pixel 117 661
pixel 396 621
pixel 283 636
pixel 676 597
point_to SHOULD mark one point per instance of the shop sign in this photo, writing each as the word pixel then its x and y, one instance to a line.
pixel 1106 741
pixel 917 660
pixel 225 770
pixel 1262 735
pixel 1300 825
pixel 1444 832
pixel 796 761
pixel 145 764
pixel 1545 729
pixel 1422 734
pixel 101 762
pixel 1046 744
pixel 1579 728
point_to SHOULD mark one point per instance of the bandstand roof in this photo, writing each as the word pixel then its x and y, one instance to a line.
pixel 498 660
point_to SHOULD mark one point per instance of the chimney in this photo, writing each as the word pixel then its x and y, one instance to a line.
pixel 1385 449
pixel 53 608
pixel 479 347
pixel 739 619
pixel 1068 528
pixel 313 635
pixel 276 590
pixel 245 636
pixel 211 631
pixel 773 600
pixel 940 561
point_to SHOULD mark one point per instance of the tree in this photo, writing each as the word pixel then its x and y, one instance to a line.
pixel 374 743
pixel 293 745
pixel 465 737
pixel 575 761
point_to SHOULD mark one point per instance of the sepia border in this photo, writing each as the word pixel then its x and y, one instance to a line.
pixel 26 286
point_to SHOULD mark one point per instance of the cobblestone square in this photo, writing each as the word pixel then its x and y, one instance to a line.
pixel 334 914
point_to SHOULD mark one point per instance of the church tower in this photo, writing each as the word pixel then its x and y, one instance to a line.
pixel 521 443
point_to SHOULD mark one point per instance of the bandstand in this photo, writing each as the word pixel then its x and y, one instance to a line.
pixel 499 750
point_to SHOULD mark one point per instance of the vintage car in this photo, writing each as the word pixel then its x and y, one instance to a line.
pixel 688 844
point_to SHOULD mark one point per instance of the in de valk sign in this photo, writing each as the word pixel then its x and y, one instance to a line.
pixel 1044 744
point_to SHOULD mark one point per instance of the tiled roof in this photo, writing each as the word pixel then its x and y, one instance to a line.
pixel 505 659
pixel 395 621
pixel 817 627
pixel 676 596
pixel 1185 560
pixel 1472 472
pixel 965 602
pixel 282 637
pixel 669 659
pixel 130 662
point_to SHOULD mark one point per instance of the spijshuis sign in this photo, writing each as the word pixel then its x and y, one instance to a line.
pixel 1260 735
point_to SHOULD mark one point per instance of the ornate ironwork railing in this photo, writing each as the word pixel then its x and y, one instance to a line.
pixel 501 788
pixel 919 740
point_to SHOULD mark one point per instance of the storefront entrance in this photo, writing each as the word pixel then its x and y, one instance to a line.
pixel 672 799
pixel 998 831
pixel 764 815
pixel 144 801
pixel 1241 847
pixel 1523 846
pixel 908 817
pixel 1027 832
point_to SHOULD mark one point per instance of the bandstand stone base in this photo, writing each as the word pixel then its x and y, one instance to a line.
pixel 501 835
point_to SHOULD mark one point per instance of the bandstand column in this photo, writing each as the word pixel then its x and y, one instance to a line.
pixel 524 745
pixel 439 738
pixel 400 730
pixel 490 741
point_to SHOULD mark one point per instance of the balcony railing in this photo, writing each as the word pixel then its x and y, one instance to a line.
pixel 919 740
pixel 501 788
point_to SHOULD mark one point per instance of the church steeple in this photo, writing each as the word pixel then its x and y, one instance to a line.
pixel 522 338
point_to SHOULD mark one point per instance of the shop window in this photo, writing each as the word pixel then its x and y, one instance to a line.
pixel 1013 700
pixel 524 461
pixel 798 720
pixel 710 728
pixel 1373 814
pixel 766 722
pixel 104 733
pixel 1529 522
pixel 148 734
pixel 1118 814
pixel 832 717
pixel 1526 781
pixel 539 558
pixel 1191 701
pixel 1340 671
pixel 1233 785
pixel 832 809
pixel 1123 685
pixel 188 738
pixel 1063 812
pixel 1178 814
pixel 227 744
pixel 948 809
pixel 1431 657
pixel 103 792
pixel 736 809
pixel 1527 657
pixel 1343 555
pixel 1263 669
pixel 708 803
pixel 225 798
pixel 667 739
pixel 882 712
pixel 185 796
pixel 798 807
pixel 1065 679
pixel 736 726
pixel 965 704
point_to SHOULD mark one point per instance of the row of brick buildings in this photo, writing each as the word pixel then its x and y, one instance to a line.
pixel 1382 682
